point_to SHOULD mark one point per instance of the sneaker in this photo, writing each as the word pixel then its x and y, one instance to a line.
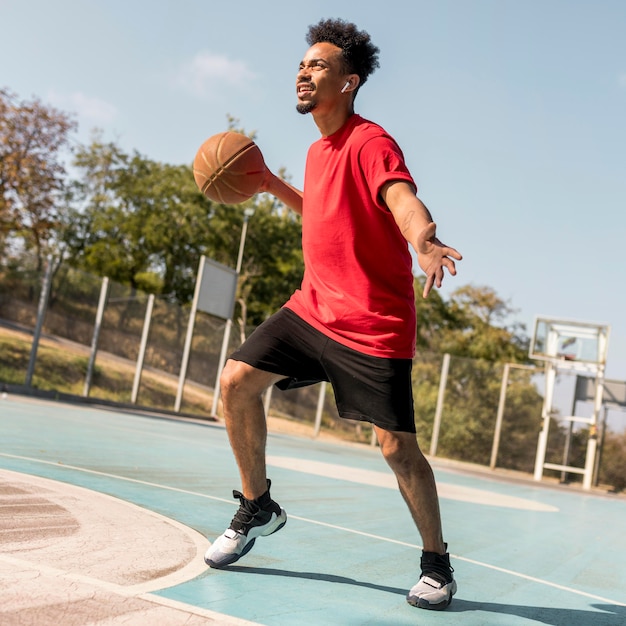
pixel 255 518
pixel 435 588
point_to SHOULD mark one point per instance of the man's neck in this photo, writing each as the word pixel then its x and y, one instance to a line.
pixel 330 123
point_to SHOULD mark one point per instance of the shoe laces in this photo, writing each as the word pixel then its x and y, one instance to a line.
pixel 437 566
pixel 245 513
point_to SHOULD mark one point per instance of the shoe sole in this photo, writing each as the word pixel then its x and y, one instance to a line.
pixel 422 603
pixel 235 557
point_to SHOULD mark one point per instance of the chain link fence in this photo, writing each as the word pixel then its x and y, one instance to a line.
pixel 455 419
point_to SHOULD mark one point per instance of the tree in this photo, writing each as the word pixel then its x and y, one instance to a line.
pixel 32 173
pixel 141 223
pixel 146 224
pixel 613 462
pixel 480 331
pixel 471 327
pixel 436 320
pixel 272 265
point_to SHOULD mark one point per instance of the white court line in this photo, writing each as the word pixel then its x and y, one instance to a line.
pixel 388 480
pixel 533 579
pixel 125 591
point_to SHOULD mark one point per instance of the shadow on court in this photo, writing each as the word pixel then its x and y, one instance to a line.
pixel 613 615
pixel 330 578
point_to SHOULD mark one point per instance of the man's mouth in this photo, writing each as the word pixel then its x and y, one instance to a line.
pixel 304 88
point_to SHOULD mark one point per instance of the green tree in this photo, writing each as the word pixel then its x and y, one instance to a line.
pixel 146 224
pixel 436 320
pixel 613 461
pixel 33 138
pixel 472 328
pixel 142 223
pixel 480 331
pixel 273 263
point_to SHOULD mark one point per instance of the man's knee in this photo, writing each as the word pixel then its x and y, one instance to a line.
pixel 401 451
pixel 231 374
pixel 239 378
pixel 233 377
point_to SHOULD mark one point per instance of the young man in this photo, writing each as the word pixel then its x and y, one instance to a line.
pixel 352 322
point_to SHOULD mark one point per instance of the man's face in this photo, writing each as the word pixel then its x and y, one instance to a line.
pixel 320 78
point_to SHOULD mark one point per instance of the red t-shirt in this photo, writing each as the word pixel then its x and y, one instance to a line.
pixel 358 281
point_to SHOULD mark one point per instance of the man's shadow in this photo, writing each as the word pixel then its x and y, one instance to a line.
pixel 605 615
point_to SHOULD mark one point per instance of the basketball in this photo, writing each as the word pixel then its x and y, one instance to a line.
pixel 229 168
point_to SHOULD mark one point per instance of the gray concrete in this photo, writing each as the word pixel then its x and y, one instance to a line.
pixel 72 556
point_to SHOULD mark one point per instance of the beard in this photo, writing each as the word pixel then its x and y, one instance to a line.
pixel 305 107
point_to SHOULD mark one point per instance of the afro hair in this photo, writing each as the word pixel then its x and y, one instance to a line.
pixel 359 53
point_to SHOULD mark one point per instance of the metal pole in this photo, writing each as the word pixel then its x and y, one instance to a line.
pixel 142 348
pixel 41 314
pixel 546 413
pixel 242 239
pixel 499 417
pixel 320 409
pixel 188 337
pixel 596 471
pixel 592 443
pixel 220 366
pixel 568 439
pixel 268 400
pixel 247 214
pixel 567 447
pixel 104 290
pixel 439 410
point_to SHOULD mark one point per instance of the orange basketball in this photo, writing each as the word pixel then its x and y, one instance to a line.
pixel 229 168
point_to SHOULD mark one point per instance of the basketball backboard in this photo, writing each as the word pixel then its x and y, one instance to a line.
pixel 569 341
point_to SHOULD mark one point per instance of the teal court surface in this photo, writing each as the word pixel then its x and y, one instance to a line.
pixel 106 515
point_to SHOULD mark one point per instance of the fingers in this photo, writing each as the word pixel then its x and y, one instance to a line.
pixel 448 251
pixel 428 285
pixel 435 275
pixel 440 257
pixel 439 277
pixel 455 254
pixel 451 265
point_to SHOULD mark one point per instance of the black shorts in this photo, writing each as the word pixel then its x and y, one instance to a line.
pixel 368 388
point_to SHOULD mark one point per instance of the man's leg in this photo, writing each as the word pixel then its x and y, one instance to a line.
pixel 242 396
pixel 436 585
pixel 258 515
pixel 416 483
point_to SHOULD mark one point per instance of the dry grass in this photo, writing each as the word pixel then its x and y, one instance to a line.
pixel 61 366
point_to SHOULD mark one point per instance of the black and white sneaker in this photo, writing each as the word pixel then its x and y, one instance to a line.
pixel 436 586
pixel 255 518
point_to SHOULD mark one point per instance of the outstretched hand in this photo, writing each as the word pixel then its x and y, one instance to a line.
pixel 433 256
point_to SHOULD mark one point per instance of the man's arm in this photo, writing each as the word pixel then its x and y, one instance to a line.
pixel 416 224
pixel 285 192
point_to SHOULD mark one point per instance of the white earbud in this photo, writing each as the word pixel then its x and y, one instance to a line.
pixel 343 90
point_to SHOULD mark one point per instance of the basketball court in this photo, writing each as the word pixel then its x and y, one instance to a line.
pixel 107 515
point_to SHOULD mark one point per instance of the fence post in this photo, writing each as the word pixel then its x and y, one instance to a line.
pixel 499 416
pixel 142 348
pixel 188 338
pixel 41 314
pixel 267 402
pixel 445 366
pixel 320 409
pixel 104 290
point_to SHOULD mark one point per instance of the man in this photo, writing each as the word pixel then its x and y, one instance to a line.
pixel 352 322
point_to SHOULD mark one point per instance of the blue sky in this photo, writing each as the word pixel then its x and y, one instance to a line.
pixel 512 116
